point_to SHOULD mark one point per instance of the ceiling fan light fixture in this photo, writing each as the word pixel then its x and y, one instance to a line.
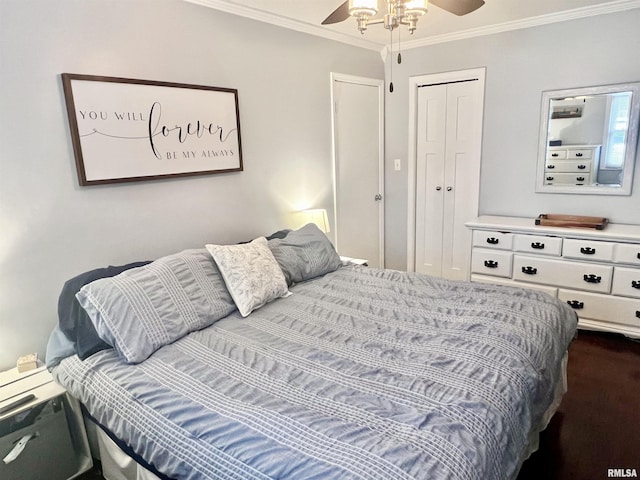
pixel 366 8
pixel 415 8
pixel 413 11
pixel 362 10
pixel 399 12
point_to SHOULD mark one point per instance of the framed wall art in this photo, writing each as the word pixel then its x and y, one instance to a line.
pixel 126 130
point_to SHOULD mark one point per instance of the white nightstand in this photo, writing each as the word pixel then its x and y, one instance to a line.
pixel 355 261
pixel 50 423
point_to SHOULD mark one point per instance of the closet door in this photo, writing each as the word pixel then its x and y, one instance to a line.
pixel 430 178
pixel 448 145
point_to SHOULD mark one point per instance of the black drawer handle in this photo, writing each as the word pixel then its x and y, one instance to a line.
pixel 575 304
pixel 493 241
pixel 551 166
pixel 490 264
pixel 635 284
pixel 555 155
pixel 638 255
pixel 638 313
pixel 591 278
pixel 578 154
pixel 549 178
pixel 537 245
pixel 529 270
pixel 580 179
pixel 588 250
pixel 581 167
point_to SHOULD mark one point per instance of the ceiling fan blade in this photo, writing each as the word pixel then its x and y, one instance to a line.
pixel 340 14
pixel 458 7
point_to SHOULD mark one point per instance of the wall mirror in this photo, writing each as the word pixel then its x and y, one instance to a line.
pixel 588 140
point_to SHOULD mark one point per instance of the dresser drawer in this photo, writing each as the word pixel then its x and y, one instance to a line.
pixel 499 240
pixel 537 244
pixel 564 166
pixel 556 154
pixel 552 178
pixel 627 253
pixel 588 250
pixel 626 282
pixel 585 153
pixel 606 308
pixel 491 262
pixel 579 275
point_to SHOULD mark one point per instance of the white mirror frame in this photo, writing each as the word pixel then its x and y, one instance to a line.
pixel 631 144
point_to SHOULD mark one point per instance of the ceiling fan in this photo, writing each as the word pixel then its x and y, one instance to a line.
pixel 398 12
pixel 457 7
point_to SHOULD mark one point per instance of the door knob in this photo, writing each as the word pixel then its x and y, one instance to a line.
pixel 378 197
pixel 449 189
pixel 438 188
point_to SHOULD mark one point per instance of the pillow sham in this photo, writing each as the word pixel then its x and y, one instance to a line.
pixel 304 254
pixel 251 273
pixel 141 310
pixel 73 319
pixel 59 347
pixel 278 234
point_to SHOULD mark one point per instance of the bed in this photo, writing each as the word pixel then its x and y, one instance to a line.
pixel 273 359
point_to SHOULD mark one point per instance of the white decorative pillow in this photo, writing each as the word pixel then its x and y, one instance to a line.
pixel 251 273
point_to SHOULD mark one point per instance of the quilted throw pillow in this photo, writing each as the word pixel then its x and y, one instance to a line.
pixel 251 273
pixel 145 308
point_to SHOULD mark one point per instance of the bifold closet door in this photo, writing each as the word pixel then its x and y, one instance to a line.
pixel 432 119
pixel 448 139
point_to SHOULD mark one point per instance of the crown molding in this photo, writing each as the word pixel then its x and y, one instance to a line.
pixel 267 17
pixel 575 14
pixel 280 21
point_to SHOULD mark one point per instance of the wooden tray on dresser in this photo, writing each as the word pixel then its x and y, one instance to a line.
pixel 571 221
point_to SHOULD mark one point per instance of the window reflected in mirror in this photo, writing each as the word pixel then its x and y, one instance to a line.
pixel 588 140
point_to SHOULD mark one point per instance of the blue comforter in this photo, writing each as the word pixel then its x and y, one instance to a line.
pixel 362 373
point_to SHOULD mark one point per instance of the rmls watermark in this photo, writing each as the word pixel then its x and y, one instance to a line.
pixel 622 473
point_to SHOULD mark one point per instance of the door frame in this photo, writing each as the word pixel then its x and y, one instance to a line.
pixel 414 83
pixel 379 84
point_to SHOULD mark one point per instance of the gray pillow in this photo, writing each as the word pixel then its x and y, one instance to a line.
pixel 145 308
pixel 305 254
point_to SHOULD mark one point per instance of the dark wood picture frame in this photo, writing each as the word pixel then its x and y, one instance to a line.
pixel 127 130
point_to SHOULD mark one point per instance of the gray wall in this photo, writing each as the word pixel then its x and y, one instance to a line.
pixel 51 229
pixel 519 66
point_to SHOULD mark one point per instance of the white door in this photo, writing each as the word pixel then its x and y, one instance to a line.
pixel 358 167
pixel 430 169
pixel 448 134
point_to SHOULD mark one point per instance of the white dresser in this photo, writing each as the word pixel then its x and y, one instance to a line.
pixel 597 272
pixel 572 165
